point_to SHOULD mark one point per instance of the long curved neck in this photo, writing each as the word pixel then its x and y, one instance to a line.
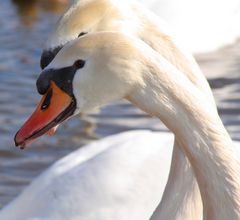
pixel 181 198
pixel 169 95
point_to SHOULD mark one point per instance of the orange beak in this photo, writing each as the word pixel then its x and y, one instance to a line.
pixel 54 107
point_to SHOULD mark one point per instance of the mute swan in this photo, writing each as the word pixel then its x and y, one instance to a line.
pixel 99 68
pixel 102 181
pixel 87 16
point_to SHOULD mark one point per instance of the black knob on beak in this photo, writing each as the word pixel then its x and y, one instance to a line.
pixel 43 82
pixel 48 56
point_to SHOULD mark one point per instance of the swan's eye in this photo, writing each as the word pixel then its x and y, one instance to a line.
pixel 79 64
pixel 82 33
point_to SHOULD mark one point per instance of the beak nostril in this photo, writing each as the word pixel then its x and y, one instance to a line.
pixel 47 100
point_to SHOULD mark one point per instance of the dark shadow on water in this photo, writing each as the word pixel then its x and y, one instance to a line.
pixel 220 82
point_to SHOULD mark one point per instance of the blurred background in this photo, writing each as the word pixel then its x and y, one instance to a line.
pixel 25 26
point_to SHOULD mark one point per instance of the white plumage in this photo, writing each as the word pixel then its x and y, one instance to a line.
pixel 119 177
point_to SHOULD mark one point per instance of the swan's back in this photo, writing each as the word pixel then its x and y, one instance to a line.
pixel 119 177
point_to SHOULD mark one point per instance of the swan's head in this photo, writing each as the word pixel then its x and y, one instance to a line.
pixel 87 16
pixel 87 73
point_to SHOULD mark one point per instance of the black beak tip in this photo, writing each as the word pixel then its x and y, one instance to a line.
pixel 15 140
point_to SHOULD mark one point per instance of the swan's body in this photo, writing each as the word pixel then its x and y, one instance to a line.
pixel 88 16
pixel 77 78
pixel 120 177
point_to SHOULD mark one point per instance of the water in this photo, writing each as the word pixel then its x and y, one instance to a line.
pixel 25 26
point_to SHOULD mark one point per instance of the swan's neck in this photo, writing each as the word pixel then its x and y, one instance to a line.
pixel 168 94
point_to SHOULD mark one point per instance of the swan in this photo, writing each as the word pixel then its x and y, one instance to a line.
pixel 102 67
pixel 131 17
pixel 104 180
pixel 88 16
